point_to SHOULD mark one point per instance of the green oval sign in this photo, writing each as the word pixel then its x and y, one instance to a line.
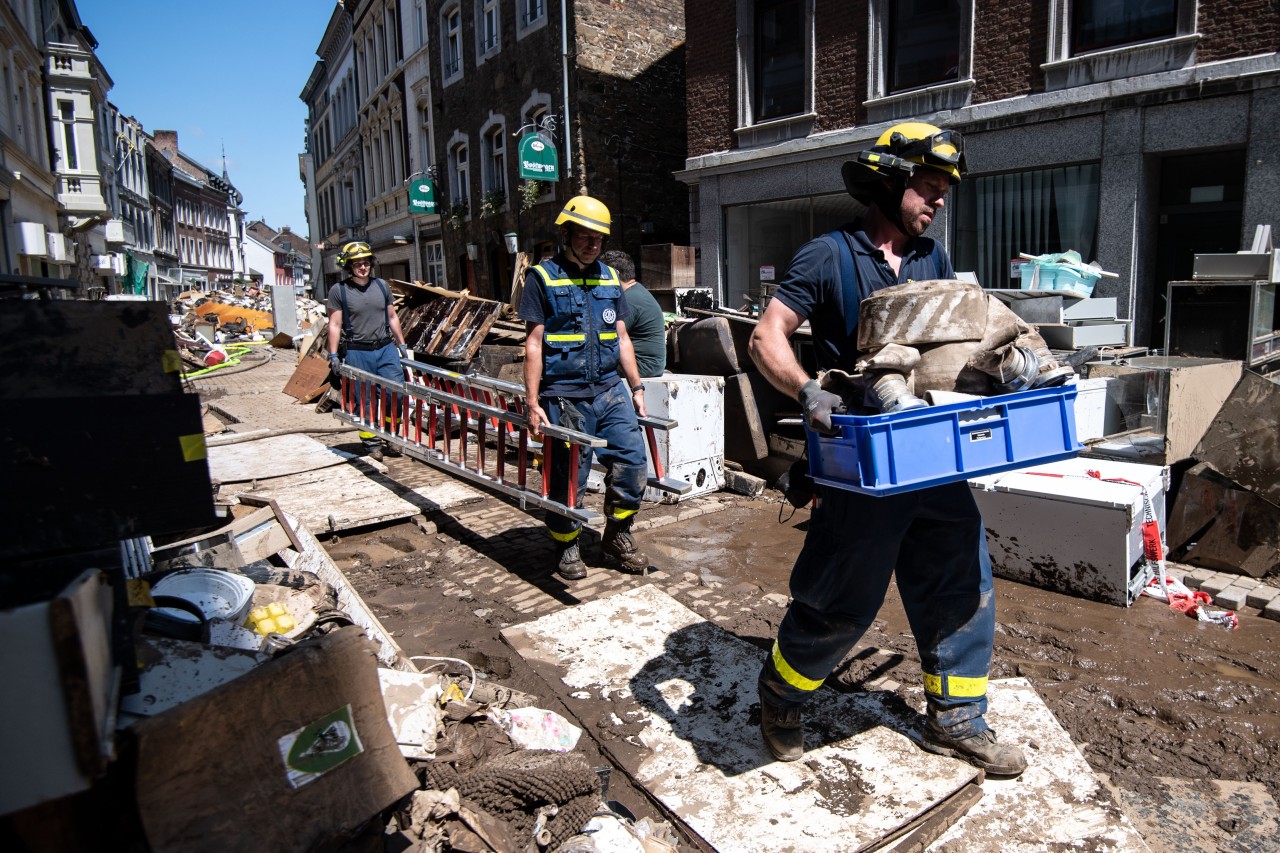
pixel 422 196
pixel 538 158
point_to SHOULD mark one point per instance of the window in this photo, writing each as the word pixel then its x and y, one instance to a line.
pixel 1098 24
pixel 530 12
pixel 451 42
pixel 461 189
pixel 424 138
pixel 779 79
pixel 924 43
pixel 495 142
pixel 433 263
pixel 67 117
pixel 921 57
pixel 1034 212
pixel 1094 41
pixel 419 23
pixel 487 33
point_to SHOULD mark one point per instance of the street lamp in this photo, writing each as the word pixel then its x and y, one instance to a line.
pixel 513 242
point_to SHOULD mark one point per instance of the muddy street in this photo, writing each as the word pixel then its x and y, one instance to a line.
pixel 1146 693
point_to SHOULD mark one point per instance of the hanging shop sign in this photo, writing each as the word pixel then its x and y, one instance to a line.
pixel 422 196
pixel 538 158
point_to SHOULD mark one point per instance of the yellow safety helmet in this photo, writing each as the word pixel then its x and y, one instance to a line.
pixel 353 251
pixel 898 152
pixel 588 212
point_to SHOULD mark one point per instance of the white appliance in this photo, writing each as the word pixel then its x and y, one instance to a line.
pixel 1056 526
pixel 694 450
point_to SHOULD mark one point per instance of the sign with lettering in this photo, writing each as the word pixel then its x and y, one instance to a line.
pixel 538 158
pixel 422 196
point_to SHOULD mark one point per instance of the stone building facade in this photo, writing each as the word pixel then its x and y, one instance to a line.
pixel 1135 133
pixel 470 79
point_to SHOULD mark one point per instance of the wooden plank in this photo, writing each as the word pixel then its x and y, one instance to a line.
pixel 355 495
pixel 212 773
pixel 275 456
pixel 687 688
pixel 311 375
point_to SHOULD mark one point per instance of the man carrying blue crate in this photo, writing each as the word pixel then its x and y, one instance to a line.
pixel 932 538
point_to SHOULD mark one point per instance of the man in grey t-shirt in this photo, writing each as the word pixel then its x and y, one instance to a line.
pixel 363 320
pixel 646 325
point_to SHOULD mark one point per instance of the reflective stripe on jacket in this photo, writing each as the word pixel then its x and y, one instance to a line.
pixel 580 335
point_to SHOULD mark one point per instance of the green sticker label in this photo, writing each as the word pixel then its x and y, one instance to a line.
pixel 315 749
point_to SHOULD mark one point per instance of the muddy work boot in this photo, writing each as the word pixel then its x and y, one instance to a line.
pixel 620 549
pixel 980 750
pixel 569 563
pixel 782 730
pixel 373 449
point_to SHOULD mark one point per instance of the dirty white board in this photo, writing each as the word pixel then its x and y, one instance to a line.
pixel 671 696
pixel 1056 804
pixel 356 494
pixel 276 456
pixel 315 559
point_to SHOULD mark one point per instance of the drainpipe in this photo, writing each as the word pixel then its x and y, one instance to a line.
pixel 564 71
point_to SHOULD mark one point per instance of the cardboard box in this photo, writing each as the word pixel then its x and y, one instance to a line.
pixel 292 755
pixel 1070 532
pixel 1177 397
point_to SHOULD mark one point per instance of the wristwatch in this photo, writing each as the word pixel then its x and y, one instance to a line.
pixel 635 388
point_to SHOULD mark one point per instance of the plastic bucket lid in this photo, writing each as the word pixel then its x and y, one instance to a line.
pixel 217 594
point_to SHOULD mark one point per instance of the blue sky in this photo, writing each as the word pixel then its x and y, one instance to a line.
pixel 220 74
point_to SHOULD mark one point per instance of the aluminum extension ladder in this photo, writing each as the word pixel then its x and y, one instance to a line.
pixel 421 415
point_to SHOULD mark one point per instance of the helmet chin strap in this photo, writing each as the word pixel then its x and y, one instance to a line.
pixel 890 203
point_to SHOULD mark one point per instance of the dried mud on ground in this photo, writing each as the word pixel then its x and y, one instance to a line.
pixel 1144 692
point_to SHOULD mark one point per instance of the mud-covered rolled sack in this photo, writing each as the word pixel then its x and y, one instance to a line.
pixel 940 335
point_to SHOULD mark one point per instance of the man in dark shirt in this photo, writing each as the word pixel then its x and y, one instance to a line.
pixel 646 326
pixel 932 539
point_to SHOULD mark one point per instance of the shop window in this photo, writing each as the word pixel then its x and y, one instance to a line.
pixel 1034 212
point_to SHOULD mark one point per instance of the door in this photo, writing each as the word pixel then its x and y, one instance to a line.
pixel 1200 212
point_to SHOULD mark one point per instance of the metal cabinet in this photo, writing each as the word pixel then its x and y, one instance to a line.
pixel 1223 319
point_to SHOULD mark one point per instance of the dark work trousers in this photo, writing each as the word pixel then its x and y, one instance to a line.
pixel 611 416
pixel 933 538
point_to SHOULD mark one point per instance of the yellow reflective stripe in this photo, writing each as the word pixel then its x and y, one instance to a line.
pixel 193 447
pixel 620 514
pixel 789 675
pixel 564 537
pixel 956 686
pixel 364 434
pixel 567 337
pixel 608 336
pixel 170 361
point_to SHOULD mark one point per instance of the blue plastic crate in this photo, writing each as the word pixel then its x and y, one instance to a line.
pixel 918 448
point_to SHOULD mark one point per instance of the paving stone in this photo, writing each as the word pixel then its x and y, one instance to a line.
pixel 1272 610
pixel 1217 582
pixel 1232 598
pixel 1260 596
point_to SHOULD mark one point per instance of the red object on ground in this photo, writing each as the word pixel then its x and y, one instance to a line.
pixel 214 357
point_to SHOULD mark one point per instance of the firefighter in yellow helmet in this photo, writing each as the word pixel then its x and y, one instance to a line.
pixel 931 539
pixel 580 373
pixel 364 329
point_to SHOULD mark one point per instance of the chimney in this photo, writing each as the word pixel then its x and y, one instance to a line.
pixel 167 140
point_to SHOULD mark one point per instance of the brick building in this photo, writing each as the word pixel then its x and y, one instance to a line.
pixel 457 91
pixel 1135 133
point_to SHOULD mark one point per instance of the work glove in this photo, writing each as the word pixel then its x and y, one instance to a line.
pixel 334 362
pixel 818 407
pixel 403 350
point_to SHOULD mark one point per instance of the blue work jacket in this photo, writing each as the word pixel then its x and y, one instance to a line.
pixel 580 335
